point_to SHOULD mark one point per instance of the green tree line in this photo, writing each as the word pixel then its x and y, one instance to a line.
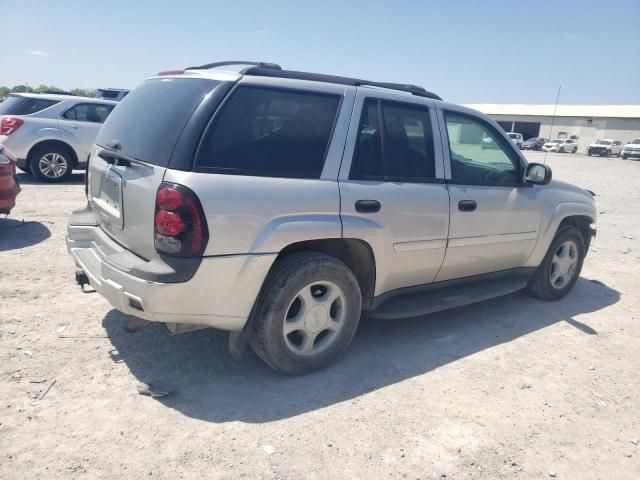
pixel 81 92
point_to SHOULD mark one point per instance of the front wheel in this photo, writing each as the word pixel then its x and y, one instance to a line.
pixel 561 150
pixel 575 149
pixel 560 269
pixel 307 313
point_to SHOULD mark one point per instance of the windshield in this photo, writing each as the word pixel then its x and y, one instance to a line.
pixel 603 142
pixel 636 141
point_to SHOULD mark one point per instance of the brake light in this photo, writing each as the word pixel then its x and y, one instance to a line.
pixel 180 227
pixel 10 125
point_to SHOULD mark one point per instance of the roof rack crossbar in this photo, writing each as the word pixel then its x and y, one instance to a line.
pixel 273 66
pixel 356 82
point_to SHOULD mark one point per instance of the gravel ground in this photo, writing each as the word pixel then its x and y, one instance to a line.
pixel 510 388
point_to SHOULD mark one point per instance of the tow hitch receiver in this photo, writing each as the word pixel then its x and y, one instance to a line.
pixel 83 280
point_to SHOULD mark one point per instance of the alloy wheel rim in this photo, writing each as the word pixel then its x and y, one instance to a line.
pixel 563 264
pixel 314 318
pixel 53 165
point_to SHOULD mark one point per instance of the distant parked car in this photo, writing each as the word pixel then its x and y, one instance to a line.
pixel 561 145
pixel 115 94
pixel 605 147
pixel 631 149
pixel 534 143
pixel 9 187
pixel 516 138
pixel 51 134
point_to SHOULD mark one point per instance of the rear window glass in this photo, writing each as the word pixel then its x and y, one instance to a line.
pixel 271 132
pixel 24 105
pixel 149 121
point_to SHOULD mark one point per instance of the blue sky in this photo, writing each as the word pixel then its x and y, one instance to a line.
pixel 466 51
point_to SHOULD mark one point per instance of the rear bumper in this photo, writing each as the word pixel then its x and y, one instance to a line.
pixel 219 294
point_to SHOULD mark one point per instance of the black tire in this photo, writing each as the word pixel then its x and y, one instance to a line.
pixel 561 150
pixel 288 277
pixel 575 149
pixel 588 153
pixel 540 285
pixel 40 152
pixel 24 169
pixel 624 157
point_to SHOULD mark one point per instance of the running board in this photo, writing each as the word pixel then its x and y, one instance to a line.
pixel 418 304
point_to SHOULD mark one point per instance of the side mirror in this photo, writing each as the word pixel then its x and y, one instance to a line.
pixel 538 174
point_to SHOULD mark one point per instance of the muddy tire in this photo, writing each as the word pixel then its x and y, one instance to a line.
pixel 307 313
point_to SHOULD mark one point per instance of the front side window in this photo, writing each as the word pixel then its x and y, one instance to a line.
pixel 479 156
pixel 88 112
pixel 271 132
pixel 395 143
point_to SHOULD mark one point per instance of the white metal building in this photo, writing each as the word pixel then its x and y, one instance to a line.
pixel 584 123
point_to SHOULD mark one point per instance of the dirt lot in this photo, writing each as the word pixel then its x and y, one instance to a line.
pixel 510 388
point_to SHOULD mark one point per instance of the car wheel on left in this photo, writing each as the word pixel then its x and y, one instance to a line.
pixel 51 164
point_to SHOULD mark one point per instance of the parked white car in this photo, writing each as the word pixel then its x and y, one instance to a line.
pixel 561 145
pixel 516 138
pixel 605 147
pixel 631 149
pixel 51 134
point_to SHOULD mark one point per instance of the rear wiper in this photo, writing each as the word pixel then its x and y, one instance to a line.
pixel 114 159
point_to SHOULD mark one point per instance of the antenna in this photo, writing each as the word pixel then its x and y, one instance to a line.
pixel 553 119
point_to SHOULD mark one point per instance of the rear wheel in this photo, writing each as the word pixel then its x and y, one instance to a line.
pixel 307 313
pixel 560 269
pixel 51 164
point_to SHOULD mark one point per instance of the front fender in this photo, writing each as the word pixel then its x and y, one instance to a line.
pixel 547 232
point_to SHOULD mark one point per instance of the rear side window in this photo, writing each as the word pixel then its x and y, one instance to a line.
pixel 149 121
pixel 89 112
pixel 24 105
pixel 395 143
pixel 270 132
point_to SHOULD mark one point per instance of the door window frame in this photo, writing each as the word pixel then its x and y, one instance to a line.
pixel 362 95
pixel 503 140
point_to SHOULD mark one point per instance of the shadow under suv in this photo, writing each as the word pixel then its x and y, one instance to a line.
pixel 280 205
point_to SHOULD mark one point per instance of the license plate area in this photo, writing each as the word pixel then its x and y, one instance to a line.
pixel 108 199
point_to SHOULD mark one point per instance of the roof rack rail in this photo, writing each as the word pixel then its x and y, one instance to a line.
pixel 261 71
pixel 273 66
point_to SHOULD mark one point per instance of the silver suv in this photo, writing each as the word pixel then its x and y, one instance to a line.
pixel 51 134
pixel 280 205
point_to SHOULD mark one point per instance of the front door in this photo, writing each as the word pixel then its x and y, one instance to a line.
pixel 495 218
pixel 392 189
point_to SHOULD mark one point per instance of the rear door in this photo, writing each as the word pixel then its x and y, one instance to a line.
pixel 495 218
pixel 392 188
pixel 132 152
pixel 80 124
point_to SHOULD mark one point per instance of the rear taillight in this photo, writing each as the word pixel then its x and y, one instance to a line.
pixel 10 125
pixel 180 227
